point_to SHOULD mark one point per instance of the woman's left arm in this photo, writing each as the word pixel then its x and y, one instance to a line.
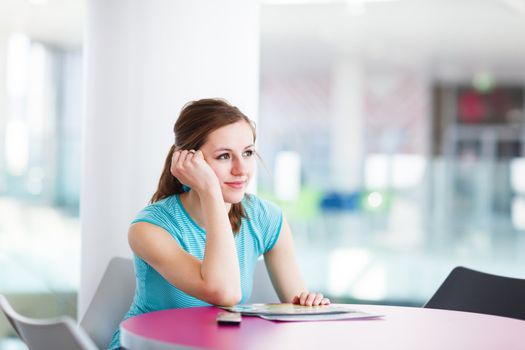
pixel 284 272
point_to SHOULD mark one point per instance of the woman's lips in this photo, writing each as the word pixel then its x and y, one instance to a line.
pixel 236 184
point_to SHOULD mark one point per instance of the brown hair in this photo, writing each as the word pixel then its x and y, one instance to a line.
pixel 196 121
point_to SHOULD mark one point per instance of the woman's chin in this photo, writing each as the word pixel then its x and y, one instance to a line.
pixel 233 198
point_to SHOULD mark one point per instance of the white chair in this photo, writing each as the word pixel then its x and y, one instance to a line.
pixel 111 301
pixel 44 334
pixel 262 291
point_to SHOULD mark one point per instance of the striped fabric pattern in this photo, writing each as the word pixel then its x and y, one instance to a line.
pixel 258 234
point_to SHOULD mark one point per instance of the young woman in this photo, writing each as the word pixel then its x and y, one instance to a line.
pixel 198 241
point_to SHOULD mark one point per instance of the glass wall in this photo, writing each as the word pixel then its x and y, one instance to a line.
pixel 40 178
pixel 397 156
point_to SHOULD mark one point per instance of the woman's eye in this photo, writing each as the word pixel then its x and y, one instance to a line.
pixel 224 156
pixel 248 153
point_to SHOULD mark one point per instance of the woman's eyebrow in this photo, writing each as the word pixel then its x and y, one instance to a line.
pixel 230 150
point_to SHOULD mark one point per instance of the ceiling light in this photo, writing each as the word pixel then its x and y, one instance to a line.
pixel 37 2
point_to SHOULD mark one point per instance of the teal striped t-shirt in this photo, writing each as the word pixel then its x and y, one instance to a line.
pixel 258 234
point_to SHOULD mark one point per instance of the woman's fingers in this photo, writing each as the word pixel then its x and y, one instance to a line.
pixel 198 155
pixel 182 158
pixel 174 160
pixel 302 298
pixel 310 299
pixel 179 157
pixel 191 169
pixel 317 299
pixel 190 155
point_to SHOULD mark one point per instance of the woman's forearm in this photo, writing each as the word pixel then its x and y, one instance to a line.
pixel 220 265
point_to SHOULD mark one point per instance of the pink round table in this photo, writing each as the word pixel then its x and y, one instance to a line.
pixel 400 328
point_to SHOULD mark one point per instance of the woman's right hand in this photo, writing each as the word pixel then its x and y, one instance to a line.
pixel 191 169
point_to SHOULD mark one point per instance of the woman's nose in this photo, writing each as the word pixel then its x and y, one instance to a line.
pixel 238 167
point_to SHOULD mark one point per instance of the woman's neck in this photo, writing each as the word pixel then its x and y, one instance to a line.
pixel 192 203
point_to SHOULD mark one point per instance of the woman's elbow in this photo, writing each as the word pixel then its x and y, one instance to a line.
pixel 224 296
pixel 229 300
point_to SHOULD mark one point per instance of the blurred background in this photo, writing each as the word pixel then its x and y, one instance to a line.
pixel 391 133
pixel 40 127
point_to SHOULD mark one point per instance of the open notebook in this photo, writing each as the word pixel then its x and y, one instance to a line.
pixel 292 312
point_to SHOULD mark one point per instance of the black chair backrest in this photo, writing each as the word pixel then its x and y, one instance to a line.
pixel 474 291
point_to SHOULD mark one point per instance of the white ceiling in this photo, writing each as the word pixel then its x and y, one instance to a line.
pixel 450 37
pixel 58 22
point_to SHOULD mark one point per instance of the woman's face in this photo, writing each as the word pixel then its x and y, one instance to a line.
pixel 230 152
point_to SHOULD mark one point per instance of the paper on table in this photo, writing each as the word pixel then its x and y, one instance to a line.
pixel 289 309
pixel 321 317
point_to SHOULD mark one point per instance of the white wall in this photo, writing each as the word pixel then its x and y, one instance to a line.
pixel 144 60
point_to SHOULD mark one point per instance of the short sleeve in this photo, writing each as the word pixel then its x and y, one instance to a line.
pixel 270 219
pixel 157 215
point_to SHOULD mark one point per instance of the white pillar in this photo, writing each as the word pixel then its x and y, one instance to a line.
pixel 3 104
pixel 144 59
pixel 347 123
